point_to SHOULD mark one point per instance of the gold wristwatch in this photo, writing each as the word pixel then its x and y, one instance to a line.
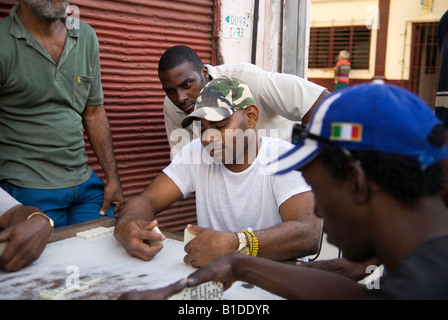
pixel 242 247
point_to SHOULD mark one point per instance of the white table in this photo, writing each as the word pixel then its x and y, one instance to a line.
pixel 105 257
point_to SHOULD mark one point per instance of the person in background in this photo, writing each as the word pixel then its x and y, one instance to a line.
pixel 342 71
pixel 441 103
pixel 282 99
pixel 50 91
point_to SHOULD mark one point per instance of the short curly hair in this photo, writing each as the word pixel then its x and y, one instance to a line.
pixel 400 176
pixel 178 55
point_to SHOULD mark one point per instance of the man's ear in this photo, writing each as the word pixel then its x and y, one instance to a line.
pixel 252 114
pixel 205 73
pixel 359 185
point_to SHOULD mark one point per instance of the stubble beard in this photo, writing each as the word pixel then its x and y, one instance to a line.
pixel 47 11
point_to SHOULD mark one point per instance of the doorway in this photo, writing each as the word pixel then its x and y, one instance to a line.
pixel 424 71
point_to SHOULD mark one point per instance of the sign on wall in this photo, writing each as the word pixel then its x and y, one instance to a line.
pixel 427 4
pixel 236 30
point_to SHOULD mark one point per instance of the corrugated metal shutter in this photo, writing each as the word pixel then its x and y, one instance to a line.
pixel 132 35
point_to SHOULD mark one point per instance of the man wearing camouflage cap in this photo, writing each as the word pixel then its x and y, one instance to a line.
pixel 238 207
pixel 220 101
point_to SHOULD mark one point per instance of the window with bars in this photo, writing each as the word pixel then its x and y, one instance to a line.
pixel 326 42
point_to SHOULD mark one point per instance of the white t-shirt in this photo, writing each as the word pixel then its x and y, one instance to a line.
pixel 229 201
pixel 281 98
pixel 6 201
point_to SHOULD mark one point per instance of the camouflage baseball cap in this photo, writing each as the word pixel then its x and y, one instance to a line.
pixel 219 99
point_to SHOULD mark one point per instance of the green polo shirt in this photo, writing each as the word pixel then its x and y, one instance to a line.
pixel 41 106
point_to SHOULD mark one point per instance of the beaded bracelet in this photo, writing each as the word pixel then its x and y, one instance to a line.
pixel 254 250
pixel 253 241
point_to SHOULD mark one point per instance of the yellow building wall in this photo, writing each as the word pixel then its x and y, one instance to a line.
pixel 401 16
pixel 402 13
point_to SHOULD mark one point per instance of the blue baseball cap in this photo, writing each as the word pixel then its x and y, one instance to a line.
pixel 374 116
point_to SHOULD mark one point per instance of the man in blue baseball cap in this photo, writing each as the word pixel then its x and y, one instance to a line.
pixel 372 155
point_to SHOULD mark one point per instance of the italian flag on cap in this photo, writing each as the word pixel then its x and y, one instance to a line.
pixel 346 131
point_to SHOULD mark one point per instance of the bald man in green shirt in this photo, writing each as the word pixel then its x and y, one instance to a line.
pixel 50 90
